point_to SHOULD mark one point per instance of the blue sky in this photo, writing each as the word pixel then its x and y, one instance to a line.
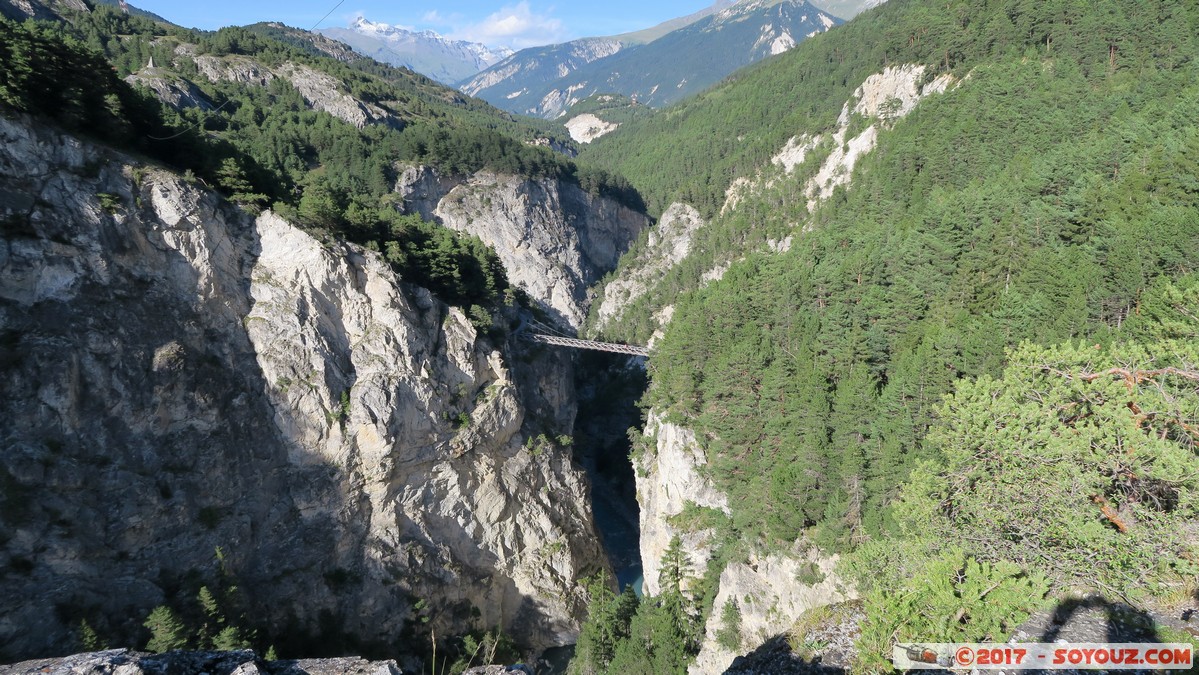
pixel 516 24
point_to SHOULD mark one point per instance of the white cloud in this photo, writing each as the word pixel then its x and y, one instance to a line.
pixel 515 26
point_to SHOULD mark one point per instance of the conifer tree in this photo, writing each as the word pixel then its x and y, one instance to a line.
pixel 167 631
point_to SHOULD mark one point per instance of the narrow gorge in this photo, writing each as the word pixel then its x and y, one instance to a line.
pixel 359 456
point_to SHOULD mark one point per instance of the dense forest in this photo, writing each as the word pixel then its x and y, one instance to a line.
pixel 263 146
pixel 1024 244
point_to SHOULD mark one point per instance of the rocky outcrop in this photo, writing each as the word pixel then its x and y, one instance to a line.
pixel 233 68
pixel 771 593
pixel 422 188
pixel 555 240
pixel 881 99
pixel 127 662
pixel 19 10
pixel 174 91
pixel 666 245
pixel 179 376
pixel 587 127
pixel 668 479
pixel 320 90
pixel 558 146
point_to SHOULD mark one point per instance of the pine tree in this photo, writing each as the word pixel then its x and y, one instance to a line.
pixel 89 639
pixel 167 631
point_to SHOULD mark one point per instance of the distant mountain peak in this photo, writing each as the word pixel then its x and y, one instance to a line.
pixel 490 55
pixel 425 51
pixel 648 66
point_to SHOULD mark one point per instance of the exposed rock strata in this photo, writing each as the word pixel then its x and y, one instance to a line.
pixel 587 127
pixel 125 662
pixel 174 91
pixel 666 245
pixel 179 376
pixel 771 592
pixel 320 90
pixel 555 240
pixel 668 478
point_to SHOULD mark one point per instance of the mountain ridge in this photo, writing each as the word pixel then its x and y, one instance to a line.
pixel 426 52
pixel 546 82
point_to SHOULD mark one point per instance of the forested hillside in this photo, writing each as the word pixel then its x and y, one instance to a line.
pixel 237 126
pixel 1028 239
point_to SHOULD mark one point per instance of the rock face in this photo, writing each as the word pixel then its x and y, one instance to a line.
pixel 174 91
pixel 884 97
pixel 587 127
pixel 665 246
pixel 555 240
pixel 178 376
pixel 771 592
pixel 234 68
pixel 321 91
pixel 247 662
pixel 667 480
pixel 881 99
pixel 19 10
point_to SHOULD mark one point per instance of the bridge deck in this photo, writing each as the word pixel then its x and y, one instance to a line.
pixel 632 350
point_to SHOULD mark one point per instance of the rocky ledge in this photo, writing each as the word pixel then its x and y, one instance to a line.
pixel 125 662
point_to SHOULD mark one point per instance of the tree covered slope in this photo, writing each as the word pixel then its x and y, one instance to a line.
pixel 278 117
pixel 1038 200
pixel 1028 239
pixel 546 82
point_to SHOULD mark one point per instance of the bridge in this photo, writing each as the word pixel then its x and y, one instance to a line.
pixel 550 336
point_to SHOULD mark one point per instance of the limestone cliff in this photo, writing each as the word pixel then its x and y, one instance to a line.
pixel 246 662
pixel 668 479
pixel 180 376
pixel 770 591
pixel 555 239
pixel 664 247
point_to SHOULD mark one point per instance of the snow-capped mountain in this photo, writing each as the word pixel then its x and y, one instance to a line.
pixel 425 52
pixel 548 81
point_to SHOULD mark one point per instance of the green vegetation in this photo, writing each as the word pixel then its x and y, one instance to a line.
pixel 199 615
pixel 609 616
pixel 693 151
pixel 1075 469
pixel 166 631
pixel 1020 244
pixel 263 146
pixel 952 597
pixel 652 635
pixel 816 373
pixel 729 635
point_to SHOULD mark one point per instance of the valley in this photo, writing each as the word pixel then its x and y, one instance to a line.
pixel 919 291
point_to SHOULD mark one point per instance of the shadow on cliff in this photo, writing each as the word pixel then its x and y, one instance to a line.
pixel 141 439
pixel 1093 618
pixel 776 658
pixel 610 386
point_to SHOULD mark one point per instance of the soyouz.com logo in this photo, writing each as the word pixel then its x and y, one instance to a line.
pixel 1045 656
